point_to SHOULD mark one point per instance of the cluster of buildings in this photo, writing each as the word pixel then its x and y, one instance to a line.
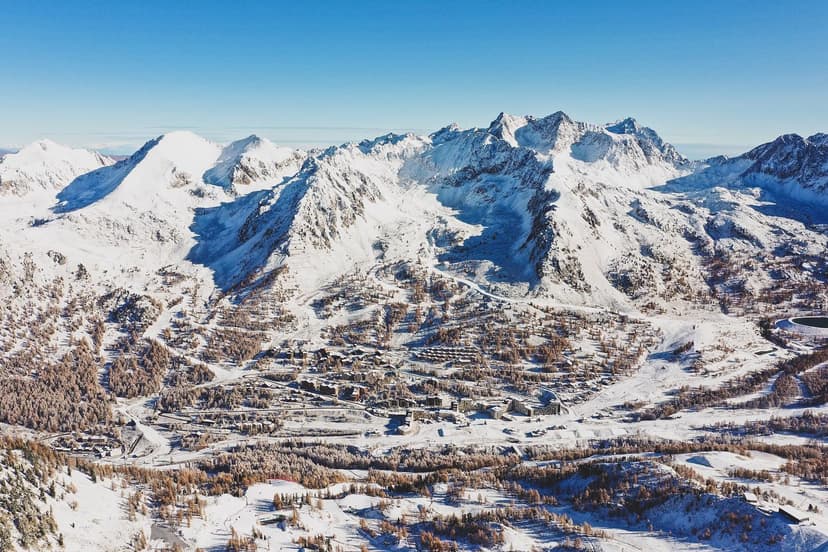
pixel 82 443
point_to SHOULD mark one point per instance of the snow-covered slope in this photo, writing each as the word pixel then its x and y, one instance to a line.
pixel 576 212
pixel 141 209
pixel 144 201
pixel 335 207
pixel 486 198
pixel 45 166
pixel 134 215
pixel 624 147
pixel 254 162
pixel 170 162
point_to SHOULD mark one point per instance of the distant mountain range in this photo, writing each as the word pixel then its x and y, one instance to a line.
pixel 607 214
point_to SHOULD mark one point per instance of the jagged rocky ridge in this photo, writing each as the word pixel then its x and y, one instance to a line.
pixel 792 158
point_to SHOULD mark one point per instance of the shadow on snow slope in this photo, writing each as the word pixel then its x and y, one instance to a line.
pixel 93 186
pixel 236 238
pixel 777 198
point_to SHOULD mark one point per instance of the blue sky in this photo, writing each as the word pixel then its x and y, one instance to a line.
pixel 710 76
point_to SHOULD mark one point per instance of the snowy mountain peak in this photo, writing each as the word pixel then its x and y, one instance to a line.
pixel 253 160
pixel 787 144
pixel 555 119
pixel 819 139
pixel 552 134
pixel 650 142
pixel 555 132
pixel 250 142
pixel 46 166
pixel 790 158
pixel 43 144
pixel 624 126
pixel 171 161
pixel 181 143
pixel 176 156
pixel 624 145
pixel 445 133
pixel 504 126
pixel 390 139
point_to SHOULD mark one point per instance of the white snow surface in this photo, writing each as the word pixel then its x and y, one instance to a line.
pixel 45 166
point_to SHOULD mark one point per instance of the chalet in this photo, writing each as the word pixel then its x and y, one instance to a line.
pixel 353 393
pixel 794 515
pixel 549 409
pixel 451 416
pixel 318 387
pixel 521 407
pixel 465 405
pixel 327 389
pixel 437 401
pixel 396 402
pixel 296 354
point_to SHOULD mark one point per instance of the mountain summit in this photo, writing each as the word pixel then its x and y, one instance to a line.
pixel 792 159
pixel 45 166
pixel 253 160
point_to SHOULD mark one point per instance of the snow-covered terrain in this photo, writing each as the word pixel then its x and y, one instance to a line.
pixel 253 161
pixel 524 292
pixel 45 167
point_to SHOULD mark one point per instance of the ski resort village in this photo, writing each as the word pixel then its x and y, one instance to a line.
pixel 540 334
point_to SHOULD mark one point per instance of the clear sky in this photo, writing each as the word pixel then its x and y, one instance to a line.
pixel 711 76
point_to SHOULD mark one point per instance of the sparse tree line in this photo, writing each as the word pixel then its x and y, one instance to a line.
pixel 701 397
pixel 28 478
pixel 808 424
pixel 179 397
pixel 625 486
pixel 806 461
pixel 816 383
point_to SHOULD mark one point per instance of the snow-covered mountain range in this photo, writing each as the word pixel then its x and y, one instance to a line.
pixel 586 213
pixel 534 288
